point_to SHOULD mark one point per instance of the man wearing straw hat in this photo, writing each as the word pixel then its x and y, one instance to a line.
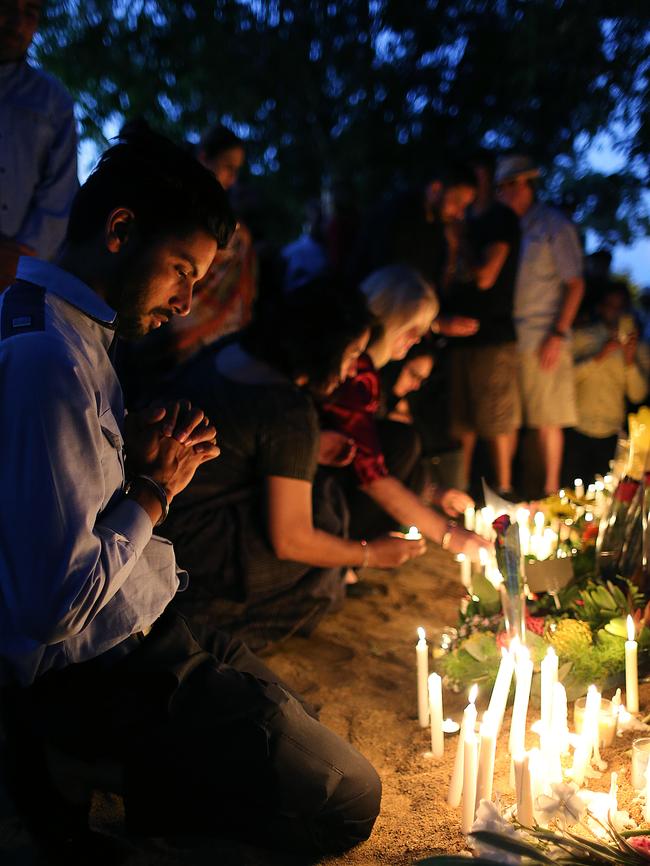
pixel 548 293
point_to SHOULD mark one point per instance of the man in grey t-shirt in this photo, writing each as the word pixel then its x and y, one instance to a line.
pixel 548 293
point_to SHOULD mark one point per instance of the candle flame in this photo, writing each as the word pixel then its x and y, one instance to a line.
pixel 631 631
pixel 460 557
pixel 538 518
pixel 473 693
pixel 577 482
pixel 421 633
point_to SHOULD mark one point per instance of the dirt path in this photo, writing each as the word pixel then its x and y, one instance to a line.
pixel 359 667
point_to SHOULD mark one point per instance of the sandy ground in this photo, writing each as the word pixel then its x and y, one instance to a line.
pixel 359 667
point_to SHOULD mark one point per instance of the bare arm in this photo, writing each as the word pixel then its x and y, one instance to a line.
pixel 405 507
pixel 549 351
pixel 575 289
pixel 294 537
pixel 486 274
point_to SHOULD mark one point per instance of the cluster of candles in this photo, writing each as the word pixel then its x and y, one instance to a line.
pixel 534 771
pixel 536 538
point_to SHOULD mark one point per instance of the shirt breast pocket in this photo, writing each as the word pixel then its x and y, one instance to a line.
pixel 112 456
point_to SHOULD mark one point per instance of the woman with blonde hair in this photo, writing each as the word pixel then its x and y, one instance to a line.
pixel 384 481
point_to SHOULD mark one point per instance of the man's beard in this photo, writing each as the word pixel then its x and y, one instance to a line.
pixel 128 299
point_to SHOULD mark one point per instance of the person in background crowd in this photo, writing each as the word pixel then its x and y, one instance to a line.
pixel 101 668
pixel 548 293
pixel 611 366
pixel 386 464
pixel 305 259
pixel 485 399
pixel 266 548
pixel 38 146
pixel 410 229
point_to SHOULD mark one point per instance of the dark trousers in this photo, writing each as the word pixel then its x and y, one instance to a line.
pixel 210 741
pixel 402 452
pixel 585 456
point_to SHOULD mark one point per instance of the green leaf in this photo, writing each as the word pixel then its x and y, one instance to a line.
pixel 511 845
pixel 480 646
pixel 617 627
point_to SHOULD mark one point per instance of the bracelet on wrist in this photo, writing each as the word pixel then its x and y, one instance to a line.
pixel 366 553
pixel 159 491
pixel 446 538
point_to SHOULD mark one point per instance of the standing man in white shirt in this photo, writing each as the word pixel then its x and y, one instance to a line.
pixel 38 146
pixel 548 293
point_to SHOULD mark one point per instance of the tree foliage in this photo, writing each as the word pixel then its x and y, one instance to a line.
pixel 377 92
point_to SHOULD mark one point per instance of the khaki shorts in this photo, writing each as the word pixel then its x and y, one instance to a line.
pixel 485 390
pixel 548 396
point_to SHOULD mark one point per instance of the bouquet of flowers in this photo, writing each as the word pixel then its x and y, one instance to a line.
pixel 619 524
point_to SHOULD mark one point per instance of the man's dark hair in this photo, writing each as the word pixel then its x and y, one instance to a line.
pixel 457 174
pixel 167 189
pixel 305 332
pixel 217 139
pixel 482 157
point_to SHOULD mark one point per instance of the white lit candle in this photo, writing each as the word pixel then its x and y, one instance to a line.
pixel 538 520
pixel 435 712
pixel 501 690
pixel 487 750
pixel 549 671
pixel 523 788
pixel 422 656
pixel 579 488
pixel 469 724
pixel 465 570
pixel 616 707
pixel 524 675
pixel 413 534
pixel 588 736
pixel 470 768
pixel 631 670
pixel 487 515
pixel 469 515
pixel 559 721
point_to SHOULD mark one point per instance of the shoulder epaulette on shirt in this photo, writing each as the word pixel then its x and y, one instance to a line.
pixel 23 309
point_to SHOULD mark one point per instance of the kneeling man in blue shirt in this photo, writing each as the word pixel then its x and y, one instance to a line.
pixel 93 662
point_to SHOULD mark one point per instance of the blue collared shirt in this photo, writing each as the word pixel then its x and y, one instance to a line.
pixel 38 158
pixel 79 567
pixel 550 255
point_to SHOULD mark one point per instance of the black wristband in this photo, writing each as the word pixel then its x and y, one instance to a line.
pixel 556 332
